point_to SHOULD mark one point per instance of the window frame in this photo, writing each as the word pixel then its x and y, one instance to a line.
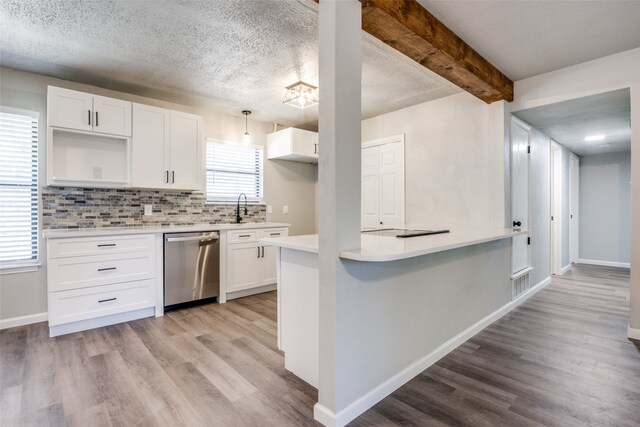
pixel 232 200
pixel 32 264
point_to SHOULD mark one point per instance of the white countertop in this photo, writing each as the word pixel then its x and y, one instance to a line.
pixel 388 248
pixel 113 231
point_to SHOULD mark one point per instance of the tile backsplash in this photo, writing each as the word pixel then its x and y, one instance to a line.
pixel 96 208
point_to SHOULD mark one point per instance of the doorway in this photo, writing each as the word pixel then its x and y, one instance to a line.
pixel 556 208
pixel 574 208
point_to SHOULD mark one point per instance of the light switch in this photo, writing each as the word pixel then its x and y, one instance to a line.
pixel 148 209
pixel 269 209
pixel 285 209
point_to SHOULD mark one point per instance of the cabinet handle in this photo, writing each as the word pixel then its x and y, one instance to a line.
pixel 275 234
pixel 107 269
pixel 262 251
pixel 173 177
pixel 96 119
pixel 106 245
pixel 167 179
pixel 89 115
pixel 258 251
pixel 245 235
pixel 107 300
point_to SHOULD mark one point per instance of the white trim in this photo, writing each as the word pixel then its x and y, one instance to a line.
pixel 233 143
pixel 386 140
pixel 12 322
pixel 605 263
pixel 633 333
pixel 98 322
pixel 521 122
pixel 565 269
pixel 330 419
pixel 19 268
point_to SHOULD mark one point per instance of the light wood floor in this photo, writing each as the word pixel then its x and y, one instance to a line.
pixel 561 359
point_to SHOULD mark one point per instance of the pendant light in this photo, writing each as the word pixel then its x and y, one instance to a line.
pixel 246 137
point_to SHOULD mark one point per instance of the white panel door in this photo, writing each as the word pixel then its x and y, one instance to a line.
pixel 574 214
pixel 392 185
pixel 70 109
pixel 112 116
pixel 244 266
pixel 150 144
pixel 186 146
pixel 371 187
pixel 269 270
pixel 519 194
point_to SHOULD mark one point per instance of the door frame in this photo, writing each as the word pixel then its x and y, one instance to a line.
pixel 556 208
pixel 574 208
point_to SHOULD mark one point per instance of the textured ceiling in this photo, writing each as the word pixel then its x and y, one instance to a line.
pixel 227 54
pixel 569 122
pixel 527 38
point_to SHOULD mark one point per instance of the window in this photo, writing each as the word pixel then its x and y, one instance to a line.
pixel 233 168
pixel 18 187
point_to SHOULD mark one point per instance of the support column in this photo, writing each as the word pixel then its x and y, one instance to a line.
pixel 340 38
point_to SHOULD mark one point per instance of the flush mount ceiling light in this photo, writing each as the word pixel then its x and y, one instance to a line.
pixel 594 138
pixel 301 95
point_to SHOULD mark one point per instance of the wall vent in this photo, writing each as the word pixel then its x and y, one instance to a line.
pixel 520 285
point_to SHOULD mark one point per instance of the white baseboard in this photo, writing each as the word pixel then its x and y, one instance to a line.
pixel 633 333
pixel 605 263
pixel 23 320
pixel 565 269
pixel 330 419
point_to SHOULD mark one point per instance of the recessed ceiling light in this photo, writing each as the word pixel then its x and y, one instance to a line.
pixel 594 138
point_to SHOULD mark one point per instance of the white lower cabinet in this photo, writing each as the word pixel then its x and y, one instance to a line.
pixel 96 281
pixel 250 265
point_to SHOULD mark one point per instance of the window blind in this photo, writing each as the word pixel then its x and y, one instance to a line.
pixel 233 169
pixel 18 188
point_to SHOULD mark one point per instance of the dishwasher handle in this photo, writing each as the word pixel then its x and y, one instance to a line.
pixel 205 240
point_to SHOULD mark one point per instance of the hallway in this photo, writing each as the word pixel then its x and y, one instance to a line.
pixel 560 359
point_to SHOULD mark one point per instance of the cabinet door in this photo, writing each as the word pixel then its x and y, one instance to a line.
pixel 70 109
pixel 112 116
pixel 269 270
pixel 244 266
pixel 304 143
pixel 150 144
pixel 185 153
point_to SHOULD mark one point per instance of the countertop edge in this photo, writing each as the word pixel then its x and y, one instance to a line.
pixel 355 256
pixel 64 233
pixel 276 241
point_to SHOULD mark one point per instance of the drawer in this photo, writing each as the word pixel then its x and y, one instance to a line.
pixel 83 304
pixel 273 232
pixel 241 236
pixel 82 246
pixel 97 270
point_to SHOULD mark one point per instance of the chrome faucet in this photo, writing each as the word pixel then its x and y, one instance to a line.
pixel 246 211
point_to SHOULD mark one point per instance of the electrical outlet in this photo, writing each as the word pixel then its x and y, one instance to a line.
pixel 97 173
pixel 148 210
pixel 285 209
pixel 269 209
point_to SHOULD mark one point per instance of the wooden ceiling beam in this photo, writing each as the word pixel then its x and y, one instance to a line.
pixel 409 28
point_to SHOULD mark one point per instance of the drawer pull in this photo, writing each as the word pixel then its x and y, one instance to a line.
pixel 275 234
pixel 107 269
pixel 106 245
pixel 107 300
pixel 245 235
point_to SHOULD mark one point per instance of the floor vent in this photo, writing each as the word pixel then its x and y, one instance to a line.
pixel 520 285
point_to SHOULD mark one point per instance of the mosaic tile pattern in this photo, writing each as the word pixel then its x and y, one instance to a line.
pixel 97 208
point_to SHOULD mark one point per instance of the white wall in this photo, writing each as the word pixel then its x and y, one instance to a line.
pixel 614 72
pixel 286 183
pixel 454 160
pixel 605 207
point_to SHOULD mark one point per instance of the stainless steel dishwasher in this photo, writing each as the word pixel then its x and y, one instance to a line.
pixel 191 268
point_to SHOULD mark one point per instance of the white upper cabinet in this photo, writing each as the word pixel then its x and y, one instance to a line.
pixel 111 116
pixel 186 151
pixel 150 147
pixel 167 149
pixel 293 144
pixel 71 109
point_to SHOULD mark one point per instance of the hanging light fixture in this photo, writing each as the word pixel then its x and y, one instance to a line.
pixel 301 95
pixel 246 137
